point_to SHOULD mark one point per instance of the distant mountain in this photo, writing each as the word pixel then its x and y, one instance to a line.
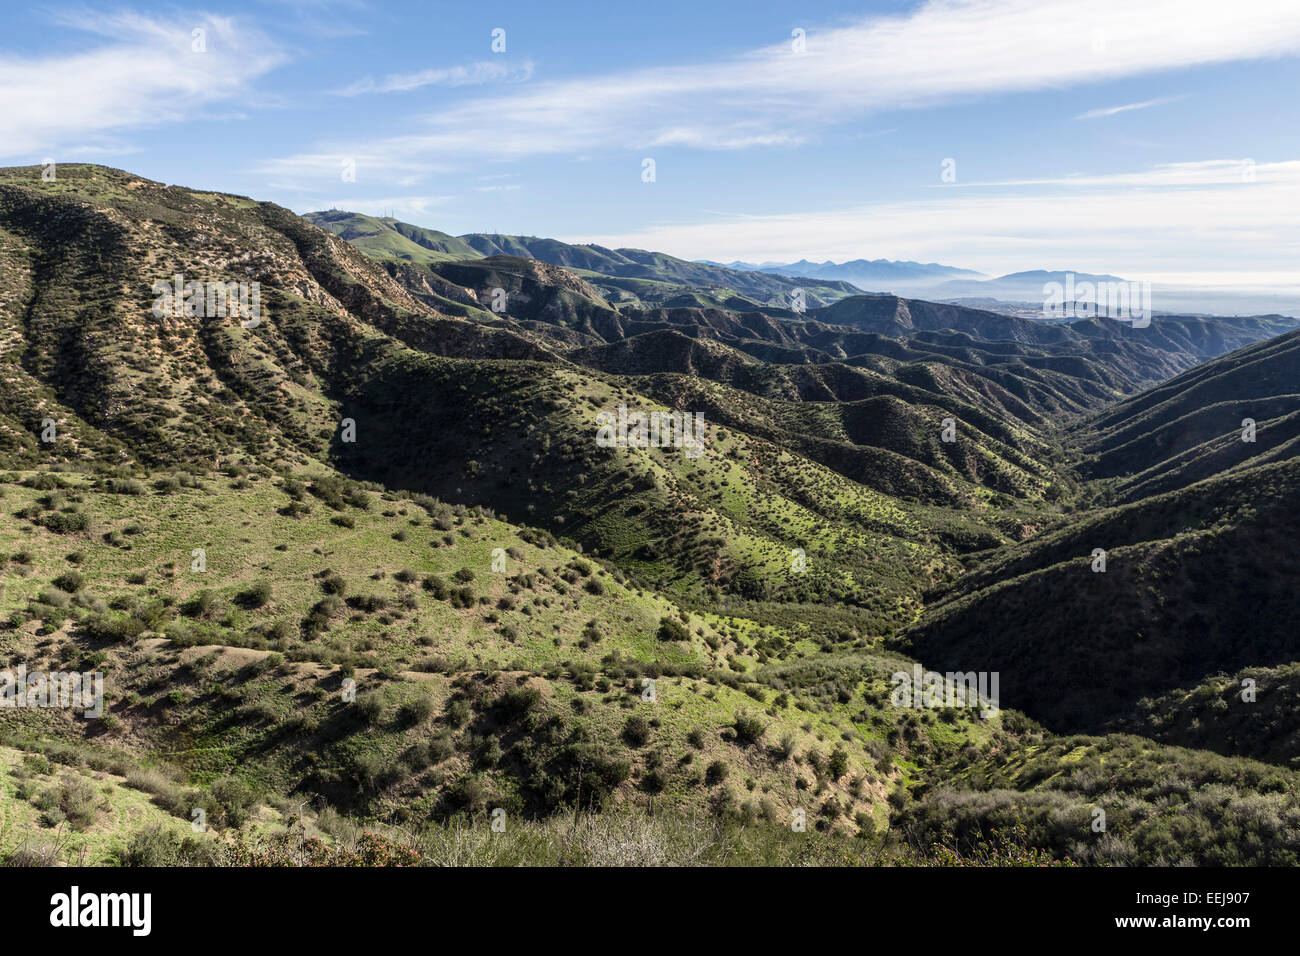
pixel 1029 287
pixel 1191 339
pixel 633 275
pixel 870 275
pixel 1017 286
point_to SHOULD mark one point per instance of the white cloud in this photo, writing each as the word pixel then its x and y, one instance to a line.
pixel 148 73
pixel 1181 218
pixel 1209 172
pixel 472 75
pixel 1128 107
pixel 944 51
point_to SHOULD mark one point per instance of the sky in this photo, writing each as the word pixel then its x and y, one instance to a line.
pixel 1151 139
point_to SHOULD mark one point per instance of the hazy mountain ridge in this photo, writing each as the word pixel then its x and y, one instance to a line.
pixel 885 275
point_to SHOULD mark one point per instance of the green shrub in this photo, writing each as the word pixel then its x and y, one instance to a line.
pixel 124 486
pixel 749 728
pixel 70 581
pixel 370 706
pixel 671 629
pixel 636 731
pixel 259 595
pixel 417 710
pixel 112 628
pixel 157 846
pixel 518 702
pixel 66 522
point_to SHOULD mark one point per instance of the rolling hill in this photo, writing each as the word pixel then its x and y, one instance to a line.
pixel 637 274
pixel 1197 568
pixel 370 561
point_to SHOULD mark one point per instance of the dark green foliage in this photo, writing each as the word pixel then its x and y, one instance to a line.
pixel 636 731
pixel 671 629
pixel 749 728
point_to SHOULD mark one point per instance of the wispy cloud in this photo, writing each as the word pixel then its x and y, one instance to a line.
pixel 472 75
pixel 1128 107
pixel 147 72
pixel 1206 172
pixel 944 51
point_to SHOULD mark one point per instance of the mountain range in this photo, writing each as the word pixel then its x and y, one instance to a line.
pixel 622 275
pixel 868 274
pixel 373 558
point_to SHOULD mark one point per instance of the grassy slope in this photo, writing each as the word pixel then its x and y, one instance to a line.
pixel 232 689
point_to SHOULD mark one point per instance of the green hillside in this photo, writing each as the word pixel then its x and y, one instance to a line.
pixel 364 572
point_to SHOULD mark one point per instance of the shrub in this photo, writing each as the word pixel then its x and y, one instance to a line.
pixel 459 712
pixel 70 581
pixel 591 774
pixel 112 628
pixel 157 846
pixel 66 522
pixel 441 748
pixel 55 597
pixel 124 486
pixel 490 753
pixel 468 795
pixel 636 731
pixel 749 728
pixel 256 596
pixel 369 603
pixel 229 801
pixel 671 629
pixel 654 781
pixel 417 710
pixel 77 802
pixel 202 604
pixel 370 706
pixel 788 747
pixel 838 763
pixel 517 702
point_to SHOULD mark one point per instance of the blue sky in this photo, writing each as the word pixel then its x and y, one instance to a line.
pixel 1147 138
